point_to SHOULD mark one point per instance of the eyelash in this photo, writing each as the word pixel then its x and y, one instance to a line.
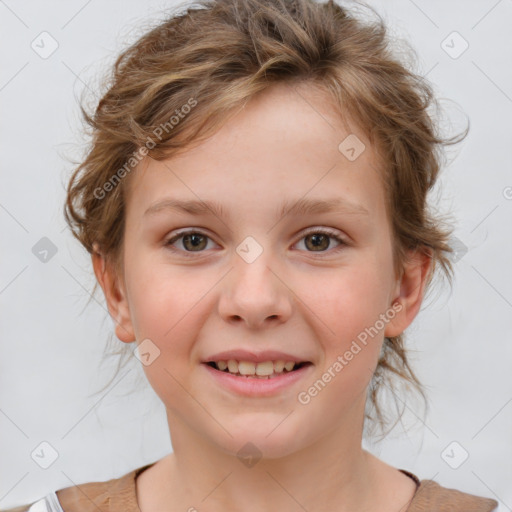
pixel 324 231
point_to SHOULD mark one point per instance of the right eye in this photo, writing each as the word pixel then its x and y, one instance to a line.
pixel 192 241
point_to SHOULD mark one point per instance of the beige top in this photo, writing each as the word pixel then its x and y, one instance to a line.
pixel 119 495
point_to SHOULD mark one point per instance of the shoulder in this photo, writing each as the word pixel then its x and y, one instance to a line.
pixel 432 497
pixel 116 494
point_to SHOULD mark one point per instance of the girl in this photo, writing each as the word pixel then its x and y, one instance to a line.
pixel 254 202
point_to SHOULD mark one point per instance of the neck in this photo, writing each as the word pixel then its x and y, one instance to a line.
pixel 335 467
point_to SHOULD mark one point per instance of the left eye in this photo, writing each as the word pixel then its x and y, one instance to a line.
pixel 317 240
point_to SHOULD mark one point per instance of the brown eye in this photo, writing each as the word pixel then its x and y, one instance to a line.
pixel 319 240
pixel 316 240
pixel 191 241
pixel 194 242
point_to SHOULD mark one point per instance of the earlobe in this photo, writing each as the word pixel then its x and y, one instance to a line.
pixel 411 289
pixel 115 296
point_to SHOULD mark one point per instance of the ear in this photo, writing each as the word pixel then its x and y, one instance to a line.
pixel 409 291
pixel 115 296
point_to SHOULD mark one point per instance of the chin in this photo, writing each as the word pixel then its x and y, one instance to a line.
pixel 260 439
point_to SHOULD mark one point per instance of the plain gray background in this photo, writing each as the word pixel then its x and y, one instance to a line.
pixel 52 344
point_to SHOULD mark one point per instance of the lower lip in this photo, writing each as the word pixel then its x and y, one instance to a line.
pixel 253 386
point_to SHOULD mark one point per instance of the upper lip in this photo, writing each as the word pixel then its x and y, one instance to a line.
pixel 255 357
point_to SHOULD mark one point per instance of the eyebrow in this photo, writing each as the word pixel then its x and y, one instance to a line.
pixel 301 206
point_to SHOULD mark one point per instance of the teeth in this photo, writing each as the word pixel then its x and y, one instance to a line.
pixel 266 369
pixel 278 366
pixel 246 368
pixel 289 366
pixel 222 365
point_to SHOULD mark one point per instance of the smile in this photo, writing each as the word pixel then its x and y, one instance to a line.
pixel 264 370
pixel 244 377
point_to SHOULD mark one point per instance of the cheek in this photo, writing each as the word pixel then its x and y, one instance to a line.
pixel 168 306
pixel 166 309
pixel 163 297
pixel 347 305
pixel 345 300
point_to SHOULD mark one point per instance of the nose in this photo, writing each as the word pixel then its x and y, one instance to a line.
pixel 255 294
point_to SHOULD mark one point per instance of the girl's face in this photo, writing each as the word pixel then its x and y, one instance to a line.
pixel 255 277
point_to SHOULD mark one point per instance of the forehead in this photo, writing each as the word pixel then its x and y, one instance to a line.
pixel 287 142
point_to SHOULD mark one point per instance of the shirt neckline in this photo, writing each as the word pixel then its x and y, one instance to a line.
pixel 135 473
pixel 413 476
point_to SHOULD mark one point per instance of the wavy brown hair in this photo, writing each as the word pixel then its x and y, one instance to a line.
pixel 222 53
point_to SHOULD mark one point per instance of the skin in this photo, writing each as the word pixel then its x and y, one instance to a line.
pixel 291 298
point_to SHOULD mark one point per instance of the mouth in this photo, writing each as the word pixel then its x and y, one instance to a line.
pixel 263 371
